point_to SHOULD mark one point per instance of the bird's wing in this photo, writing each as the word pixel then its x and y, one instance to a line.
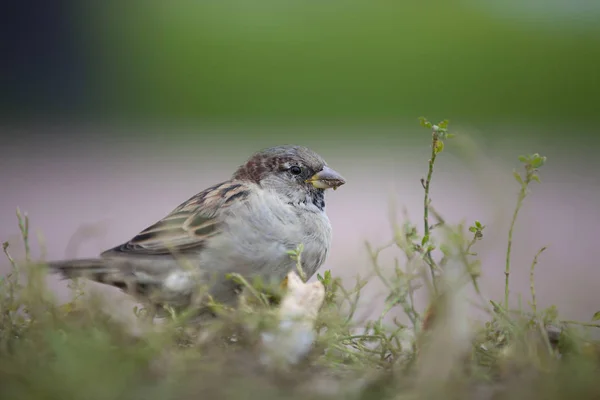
pixel 188 227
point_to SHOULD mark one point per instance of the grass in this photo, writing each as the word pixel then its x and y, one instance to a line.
pixel 77 350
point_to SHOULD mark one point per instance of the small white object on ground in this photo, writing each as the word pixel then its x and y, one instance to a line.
pixel 297 314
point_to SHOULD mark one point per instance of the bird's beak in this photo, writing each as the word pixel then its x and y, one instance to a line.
pixel 326 179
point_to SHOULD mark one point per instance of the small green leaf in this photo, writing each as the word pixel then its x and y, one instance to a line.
pixel 518 177
pixel 475 268
pixel 538 162
pixel 424 122
pixel 478 224
pixel 523 159
pixel 325 279
pixel 450 135
pixel 445 249
pixel 536 178
pixel 596 316
pixel 439 146
pixel 472 229
pixel 444 124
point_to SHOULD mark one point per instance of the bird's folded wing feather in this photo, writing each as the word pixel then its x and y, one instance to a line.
pixel 188 227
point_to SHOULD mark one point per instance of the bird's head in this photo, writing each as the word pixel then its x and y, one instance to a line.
pixel 295 172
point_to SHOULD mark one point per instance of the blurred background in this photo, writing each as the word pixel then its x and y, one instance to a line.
pixel 116 112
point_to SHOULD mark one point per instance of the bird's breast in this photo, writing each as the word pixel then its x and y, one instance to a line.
pixel 316 241
pixel 258 234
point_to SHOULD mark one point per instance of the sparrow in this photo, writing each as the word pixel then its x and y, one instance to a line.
pixel 246 225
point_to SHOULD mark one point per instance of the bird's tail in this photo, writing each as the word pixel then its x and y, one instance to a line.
pixel 145 284
pixel 90 268
pixel 95 269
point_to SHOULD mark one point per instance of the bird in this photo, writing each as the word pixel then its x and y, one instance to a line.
pixel 247 225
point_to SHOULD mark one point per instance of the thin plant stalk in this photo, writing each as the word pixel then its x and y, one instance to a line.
pixel 522 195
pixel 426 201
pixel 532 163
pixel 532 279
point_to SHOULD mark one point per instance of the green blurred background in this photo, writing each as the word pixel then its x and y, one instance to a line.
pixel 352 61
pixel 484 63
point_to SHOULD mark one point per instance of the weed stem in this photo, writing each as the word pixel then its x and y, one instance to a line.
pixel 522 195
pixel 426 201
pixel 532 279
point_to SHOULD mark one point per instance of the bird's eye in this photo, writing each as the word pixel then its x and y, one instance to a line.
pixel 296 170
